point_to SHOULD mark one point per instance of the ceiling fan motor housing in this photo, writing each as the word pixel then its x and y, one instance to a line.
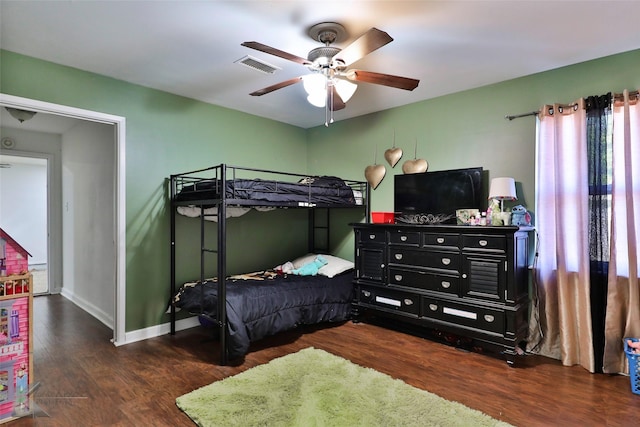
pixel 322 55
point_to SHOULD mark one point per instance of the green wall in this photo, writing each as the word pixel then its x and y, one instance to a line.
pixel 170 134
pixel 466 129
pixel 167 134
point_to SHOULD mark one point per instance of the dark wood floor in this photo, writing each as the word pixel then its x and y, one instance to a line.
pixel 86 381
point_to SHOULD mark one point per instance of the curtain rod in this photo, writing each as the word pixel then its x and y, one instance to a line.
pixel 620 96
pixel 616 96
pixel 517 116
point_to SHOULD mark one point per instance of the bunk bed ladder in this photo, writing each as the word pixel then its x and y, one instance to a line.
pixel 222 266
pixel 319 228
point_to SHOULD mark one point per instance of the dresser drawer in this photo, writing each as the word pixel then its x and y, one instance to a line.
pixel 441 260
pixel 441 239
pixel 371 236
pixel 491 243
pixel 404 238
pixel 476 317
pixel 427 280
pixel 389 299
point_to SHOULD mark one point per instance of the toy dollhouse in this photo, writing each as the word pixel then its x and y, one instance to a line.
pixel 16 336
pixel 13 257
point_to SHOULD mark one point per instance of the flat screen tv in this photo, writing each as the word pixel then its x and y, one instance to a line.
pixel 434 197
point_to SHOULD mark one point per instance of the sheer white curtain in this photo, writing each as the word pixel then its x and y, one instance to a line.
pixel 562 220
pixel 622 317
pixel 562 270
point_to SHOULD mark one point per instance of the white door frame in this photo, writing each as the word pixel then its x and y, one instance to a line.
pixel 120 185
pixel 51 214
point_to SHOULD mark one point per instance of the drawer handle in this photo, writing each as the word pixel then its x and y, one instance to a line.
pixel 446 261
pixel 398 277
pixel 489 318
pixel 433 307
pixel 483 243
pixel 440 240
pixel 366 293
pixel 398 256
pixel 446 285
pixel 464 275
pixel 403 238
pixel 407 301
pixel 372 236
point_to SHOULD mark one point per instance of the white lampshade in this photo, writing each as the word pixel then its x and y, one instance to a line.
pixel 316 87
pixel 345 89
pixel 317 99
pixel 503 189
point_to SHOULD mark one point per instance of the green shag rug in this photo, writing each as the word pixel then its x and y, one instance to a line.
pixel 316 388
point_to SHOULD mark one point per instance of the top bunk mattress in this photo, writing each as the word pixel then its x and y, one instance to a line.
pixel 307 191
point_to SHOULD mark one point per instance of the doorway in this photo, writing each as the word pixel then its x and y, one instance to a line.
pixel 118 233
pixel 24 183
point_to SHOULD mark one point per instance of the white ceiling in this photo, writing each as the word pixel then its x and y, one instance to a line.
pixel 188 48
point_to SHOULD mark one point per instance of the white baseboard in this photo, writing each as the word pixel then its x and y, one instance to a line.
pixel 102 316
pixel 158 330
pixel 132 336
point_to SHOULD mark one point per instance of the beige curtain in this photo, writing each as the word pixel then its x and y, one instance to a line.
pixel 562 268
pixel 623 300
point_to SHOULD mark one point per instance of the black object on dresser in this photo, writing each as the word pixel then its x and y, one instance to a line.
pixel 470 281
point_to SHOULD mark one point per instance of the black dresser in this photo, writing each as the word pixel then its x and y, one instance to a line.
pixel 471 281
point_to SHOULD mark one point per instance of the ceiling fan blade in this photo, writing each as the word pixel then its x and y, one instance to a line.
pixel 276 86
pixel 382 79
pixel 276 52
pixel 364 45
pixel 338 103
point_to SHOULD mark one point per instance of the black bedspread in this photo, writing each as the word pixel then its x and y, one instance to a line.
pixel 258 308
pixel 317 190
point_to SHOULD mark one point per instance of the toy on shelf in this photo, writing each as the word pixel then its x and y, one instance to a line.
pixel 520 216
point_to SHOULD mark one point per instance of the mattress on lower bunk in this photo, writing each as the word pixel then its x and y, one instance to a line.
pixel 268 303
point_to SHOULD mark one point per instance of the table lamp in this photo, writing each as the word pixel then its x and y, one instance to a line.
pixel 502 189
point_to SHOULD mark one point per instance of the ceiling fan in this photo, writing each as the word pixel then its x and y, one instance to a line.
pixel 330 84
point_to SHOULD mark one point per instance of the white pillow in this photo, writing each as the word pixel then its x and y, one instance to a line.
pixel 335 266
pixel 305 259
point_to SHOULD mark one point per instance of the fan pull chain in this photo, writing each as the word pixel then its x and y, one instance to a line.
pixel 326 104
pixel 328 107
pixel 331 105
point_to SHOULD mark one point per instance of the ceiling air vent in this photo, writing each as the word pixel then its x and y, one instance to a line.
pixel 256 64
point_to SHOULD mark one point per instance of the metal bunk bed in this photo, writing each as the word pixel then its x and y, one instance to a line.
pixel 222 186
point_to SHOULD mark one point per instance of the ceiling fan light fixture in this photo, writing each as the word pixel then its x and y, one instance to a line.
pixel 20 115
pixel 345 89
pixel 317 100
pixel 316 87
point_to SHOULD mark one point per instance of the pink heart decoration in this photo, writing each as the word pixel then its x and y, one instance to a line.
pixel 393 155
pixel 415 166
pixel 374 175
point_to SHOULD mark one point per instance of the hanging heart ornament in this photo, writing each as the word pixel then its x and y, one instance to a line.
pixel 374 175
pixel 393 155
pixel 415 166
